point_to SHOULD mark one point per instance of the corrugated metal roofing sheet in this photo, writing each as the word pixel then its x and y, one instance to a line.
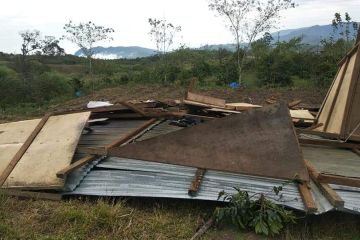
pixel 112 176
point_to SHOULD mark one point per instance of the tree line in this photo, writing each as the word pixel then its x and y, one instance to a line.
pixel 43 71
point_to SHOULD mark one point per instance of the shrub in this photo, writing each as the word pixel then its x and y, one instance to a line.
pixel 11 87
pixel 51 85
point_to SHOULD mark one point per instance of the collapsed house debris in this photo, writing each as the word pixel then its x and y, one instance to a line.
pixel 192 149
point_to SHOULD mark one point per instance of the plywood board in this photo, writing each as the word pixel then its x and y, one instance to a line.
pixel 51 151
pixel 241 106
pixel 302 114
pixel 337 117
pixel 12 137
pixel 327 105
pixel 205 99
pixel 259 142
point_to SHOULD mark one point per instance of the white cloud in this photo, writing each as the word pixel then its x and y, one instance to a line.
pixel 129 19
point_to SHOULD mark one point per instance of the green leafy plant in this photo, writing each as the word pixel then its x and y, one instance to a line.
pixel 254 212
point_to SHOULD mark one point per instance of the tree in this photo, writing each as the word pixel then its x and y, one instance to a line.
pixel 163 34
pixel 248 19
pixel 85 35
pixel 343 28
pixel 50 47
pixel 31 42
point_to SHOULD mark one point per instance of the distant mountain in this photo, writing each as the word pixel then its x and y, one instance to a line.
pixel 119 52
pixel 310 35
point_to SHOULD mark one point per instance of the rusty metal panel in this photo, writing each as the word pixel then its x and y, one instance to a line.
pixel 259 142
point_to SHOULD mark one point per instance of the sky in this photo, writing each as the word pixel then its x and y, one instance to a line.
pixel 129 19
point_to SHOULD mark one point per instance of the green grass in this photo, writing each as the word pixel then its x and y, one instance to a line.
pixel 145 218
pixel 303 83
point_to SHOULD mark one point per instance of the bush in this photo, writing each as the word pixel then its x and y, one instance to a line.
pixel 11 87
pixel 51 85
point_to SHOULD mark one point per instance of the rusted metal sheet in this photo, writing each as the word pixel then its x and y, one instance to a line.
pixel 259 142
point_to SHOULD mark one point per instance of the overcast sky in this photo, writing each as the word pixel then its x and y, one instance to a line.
pixel 129 19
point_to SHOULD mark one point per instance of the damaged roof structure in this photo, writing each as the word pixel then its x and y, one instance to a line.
pixel 194 149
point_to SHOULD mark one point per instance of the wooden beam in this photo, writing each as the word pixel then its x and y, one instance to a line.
pixel 345 131
pixel 81 162
pixel 349 53
pixel 340 180
pixel 199 104
pixel 217 102
pixel 92 150
pixel 134 108
pixel 196 182
pixel 130 135
pixel 307 197
pixel 294 103
pixel 329 143
pixel 23 149
pixel 328 192
pixel 29 194
pixel 335 99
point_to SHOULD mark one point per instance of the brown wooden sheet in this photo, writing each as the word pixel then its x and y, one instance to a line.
pixel 258 142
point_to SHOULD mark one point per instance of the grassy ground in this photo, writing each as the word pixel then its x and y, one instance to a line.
pixel 146 219
pixel 150 218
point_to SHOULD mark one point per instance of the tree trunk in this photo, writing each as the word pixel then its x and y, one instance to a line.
pixel 238 62
pixel 90 66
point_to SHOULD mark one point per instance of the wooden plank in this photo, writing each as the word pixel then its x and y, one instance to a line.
pixel 329 143
pixel 12 137
pixel 326 106
pixel 32 195
pixel 130 135
pixel 81 162
pixel 92 150
pixel 241 106
pixel 349 115
pixel 221 110
pixel 51 151
pixel 134 108
pixel 196 182
pixel 328 192
pixel 205 99
pixel 340 180
pixel 14 161
pixel 349 53
pixel 338 116
pixel 294 103
pixel 203 105
pixel 311 168
pixel 301 114
pixel 307 197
